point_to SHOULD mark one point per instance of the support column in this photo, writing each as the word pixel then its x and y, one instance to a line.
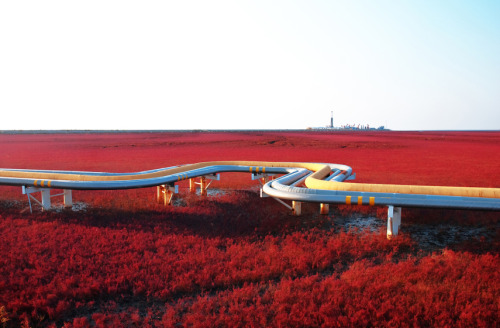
pixel 192 186
pixel 167 196
pixel 324 208
pixel 159 193
pixel 296 208
pixel 45 198
pixel 165 193
pixel 45 201
pixel 393 221
pixel 203 186
pixel 68 198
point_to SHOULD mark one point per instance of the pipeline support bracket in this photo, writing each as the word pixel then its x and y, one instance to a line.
pixel 263 178
pixel 203 183
pixel 165 193
pixel 45 201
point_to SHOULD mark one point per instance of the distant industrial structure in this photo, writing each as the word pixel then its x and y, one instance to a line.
pixel 347 127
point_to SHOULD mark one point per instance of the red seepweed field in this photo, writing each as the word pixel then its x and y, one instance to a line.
pixel 235 259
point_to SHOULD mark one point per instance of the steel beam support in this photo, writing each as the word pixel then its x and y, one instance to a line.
pixel 45 201
pixel 192 186
pixel 203 186
pixel 203 183
pixel 393 221
pixel 165 193
pixel 167 197
pixel 159 193
pixel 263 178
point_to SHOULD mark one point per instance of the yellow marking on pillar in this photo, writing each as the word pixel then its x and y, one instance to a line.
pixel 48 183
pixel 250 169
pixel 187 176
pixel 372 201
pixel 256 169
pixel 348 200
pixel 34 183
pixel 264 169
pixel 41 183
pixel 360 200
pixel 178 177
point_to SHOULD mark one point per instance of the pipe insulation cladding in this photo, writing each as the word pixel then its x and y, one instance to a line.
pixel 325 184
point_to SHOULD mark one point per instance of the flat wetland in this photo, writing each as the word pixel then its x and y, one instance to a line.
pixel 235 259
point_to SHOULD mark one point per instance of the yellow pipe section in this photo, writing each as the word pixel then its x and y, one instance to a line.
pixel 315 181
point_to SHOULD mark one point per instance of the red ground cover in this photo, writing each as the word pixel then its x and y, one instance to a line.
pixel 239 260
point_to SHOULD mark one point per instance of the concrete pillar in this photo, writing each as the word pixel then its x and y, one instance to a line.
pixel 393 221
pixel 45 198
pixel 296 208
pixel 68 198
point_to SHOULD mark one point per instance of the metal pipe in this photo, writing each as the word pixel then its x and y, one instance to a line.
pixel 324 185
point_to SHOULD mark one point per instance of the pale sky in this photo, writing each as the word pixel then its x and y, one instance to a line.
pixel 408 65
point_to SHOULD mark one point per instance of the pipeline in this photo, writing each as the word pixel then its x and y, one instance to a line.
pixel 325 184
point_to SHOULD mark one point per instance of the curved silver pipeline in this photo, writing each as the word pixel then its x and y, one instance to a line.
pixel 283 187
pixel 280 188
pixel 129 184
